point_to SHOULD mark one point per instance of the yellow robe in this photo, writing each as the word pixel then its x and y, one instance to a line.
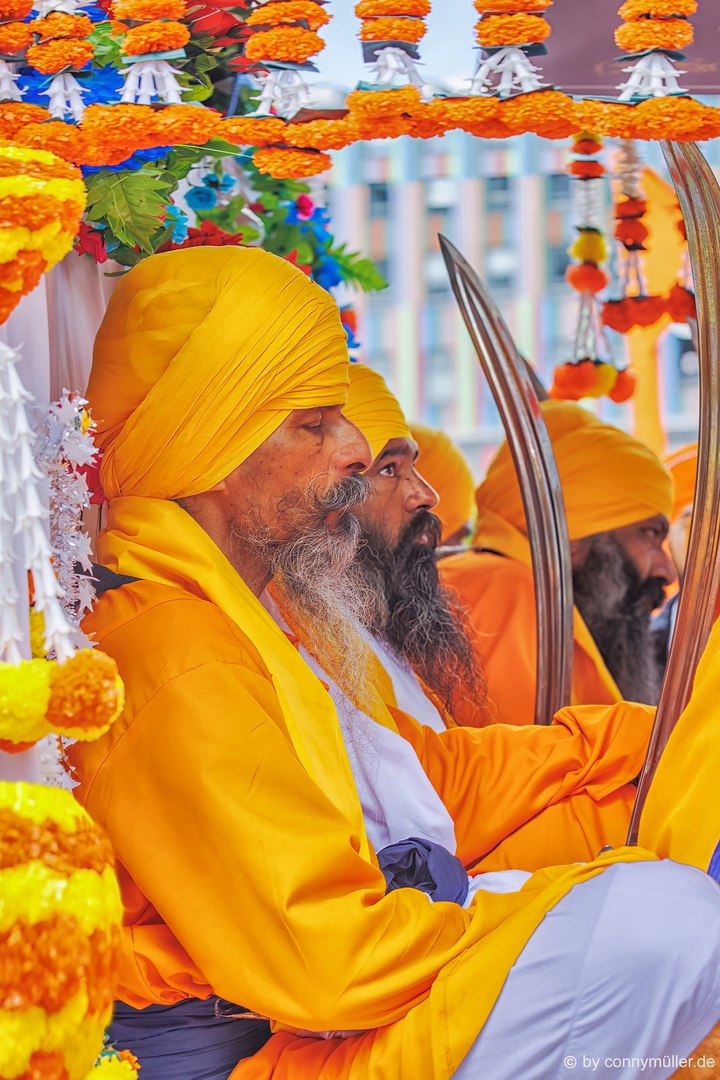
pixel 244 877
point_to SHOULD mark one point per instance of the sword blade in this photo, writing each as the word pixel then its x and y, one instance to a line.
pixel 512 385
pixel 699 196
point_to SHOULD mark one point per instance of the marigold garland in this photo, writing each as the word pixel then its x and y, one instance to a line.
pixel 284 11
pixel 416 9
pixel 680 304
pixel 510 6
pixel 392 29
pixel 383 103
pixel 151 37
pixel 321 134
pixel 656 9
pixel 643 34
pixel 148 9
pixel 497 30
pixel 288 43
pixel 15 9
pixel 290 164
pixel 50 57
pixel 59 934
pixel 254 130
pixel 15 36
pixel 86 695
pixel 59 25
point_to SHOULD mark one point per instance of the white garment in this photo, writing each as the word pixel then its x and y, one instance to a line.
pixel 619 981
pixel 409 694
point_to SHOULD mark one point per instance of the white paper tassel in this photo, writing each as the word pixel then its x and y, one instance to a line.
pixel 284 91
pixel 654 75
pixel 67 7
pixel 8 90
pixel 22 536
pixel 65 94
pixel 392 62
pixel 513 71
pixel 146 79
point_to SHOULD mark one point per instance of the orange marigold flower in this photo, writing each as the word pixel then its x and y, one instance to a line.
pixel 49 57
pixel 630 208
pixel 291 43
pixel 635 37
pixel 59 25
pixel 586 278
pixel 15 9
pixel 387 29
pixel 148 9
pixel 118 28
pixel 253 130
pixel 368 9
pixel 64 140
pixel 623 315
pixel 586 170
pixel 86 695
pixel 380 127
pixel 671 118
pixel 35 211
pixel 290 164
pixel 14 115
pixel 182 124
pixel 541 113
pixel 512 5
pixel 284 11
pixel 571 382
pixel 374 103
pixel 15 36
pixel 680 303
pixel 321 134
pixel 511 30
pixel 150 37
pixel 635 9
pixel 465 113
pixel 624 387
pixel 585 146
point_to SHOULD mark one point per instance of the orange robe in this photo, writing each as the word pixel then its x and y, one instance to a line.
pixel 236 870
pixel 500 596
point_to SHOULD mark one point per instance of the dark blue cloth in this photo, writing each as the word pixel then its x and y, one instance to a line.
pixel 714 867
pixel 422 864
pixel 188 1040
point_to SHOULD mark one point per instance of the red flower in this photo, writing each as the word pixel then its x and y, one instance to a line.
pixel 305 207
pixel 292 258
pixel 90 241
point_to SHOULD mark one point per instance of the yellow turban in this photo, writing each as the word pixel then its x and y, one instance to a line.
pixel 609 479
pixel 683 466
pixel 201 355
pixel 373 409
pixel 444 467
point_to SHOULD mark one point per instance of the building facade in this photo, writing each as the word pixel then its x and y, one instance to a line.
pixel 508 207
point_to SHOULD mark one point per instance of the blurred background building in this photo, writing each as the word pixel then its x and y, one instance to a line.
pixel 507 206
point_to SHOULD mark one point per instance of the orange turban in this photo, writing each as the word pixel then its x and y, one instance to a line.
pixel 201 355
pixel 683 466
pixel 444 467
pixel 373 409
pixel 609 479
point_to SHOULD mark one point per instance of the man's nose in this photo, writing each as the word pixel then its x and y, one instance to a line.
pixel 352 454
pixel 663 566
pixel 421 495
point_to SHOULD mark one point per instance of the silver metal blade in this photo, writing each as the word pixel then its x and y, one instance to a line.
pixel 512 387
pixel 699 196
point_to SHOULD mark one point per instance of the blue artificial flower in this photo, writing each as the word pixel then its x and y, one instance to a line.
pixel 180 232
pixel 100 87
pixel 201 198
pixel 328 273
pixel 219 184
pixel 138 159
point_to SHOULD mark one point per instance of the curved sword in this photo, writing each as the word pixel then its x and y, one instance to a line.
pixel 514 392
pixel 699 196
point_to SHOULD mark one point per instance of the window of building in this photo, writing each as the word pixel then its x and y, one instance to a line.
pixel 498 191
pixel 436 275
pixel 379 200
pixel 558 187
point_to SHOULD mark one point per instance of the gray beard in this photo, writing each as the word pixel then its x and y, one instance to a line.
pixel 315 583
pixel 613 602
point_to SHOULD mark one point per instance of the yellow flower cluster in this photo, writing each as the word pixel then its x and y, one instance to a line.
pixel 60 913
pixel 116 1066
pixel 80 698
pixel 28 250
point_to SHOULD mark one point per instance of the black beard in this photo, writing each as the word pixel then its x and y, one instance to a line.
pixel 415 614
pixel 616 605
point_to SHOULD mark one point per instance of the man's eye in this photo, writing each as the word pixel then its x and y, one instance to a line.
pixel 313 427
pixel 387 470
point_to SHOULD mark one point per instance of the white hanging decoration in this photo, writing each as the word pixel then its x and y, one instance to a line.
pixel 283 91
pixel 506 72
pixel 393 61
pixel 21 524
pixel 8 90
pixel 66 7
pixel 146 79
pixel 66 96
pixel 64 444
pixel 654 75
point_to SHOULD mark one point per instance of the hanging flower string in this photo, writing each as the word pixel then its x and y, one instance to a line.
pixel 588 375
pixel 509 34
pixel 653 32
pixel 389 33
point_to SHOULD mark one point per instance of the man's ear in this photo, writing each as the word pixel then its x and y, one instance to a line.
pixel 579 550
